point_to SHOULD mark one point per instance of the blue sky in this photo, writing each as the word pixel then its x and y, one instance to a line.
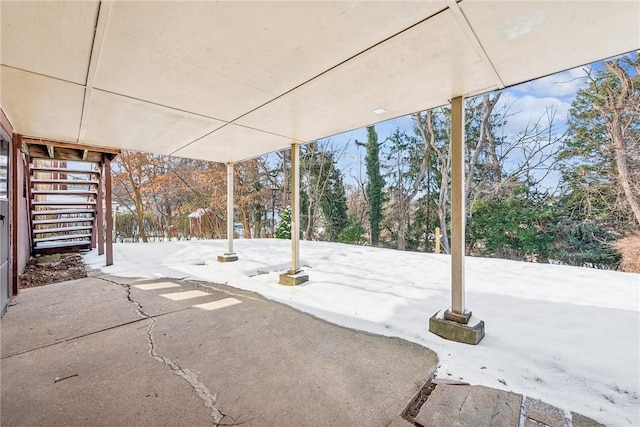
pixel 528 102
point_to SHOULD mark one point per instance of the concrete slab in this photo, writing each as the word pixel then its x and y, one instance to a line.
pixel 400 422
pixel 216 305
pixel 156 286
pixel 156 305
pixel 184 295
pixel 273 366
pixel 544 413
pixel 582 421
pixel 54 313
pixel 461 405
pixel 257 361
pixel 105 379
pixel 86 352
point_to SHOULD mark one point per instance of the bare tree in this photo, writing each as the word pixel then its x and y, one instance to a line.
pixel 425 125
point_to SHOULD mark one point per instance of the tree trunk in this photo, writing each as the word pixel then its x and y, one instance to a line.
pixel 425 126
pixel 622 166
pixel 442 206
pixel 245 223
pixel 616 129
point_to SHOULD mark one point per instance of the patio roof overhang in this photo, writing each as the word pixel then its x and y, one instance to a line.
pixel 226 81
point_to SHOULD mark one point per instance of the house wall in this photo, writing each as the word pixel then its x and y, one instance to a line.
pixel 23 244
pixel 19 250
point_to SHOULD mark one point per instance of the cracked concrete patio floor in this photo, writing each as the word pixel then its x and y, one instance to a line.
pixel 117 351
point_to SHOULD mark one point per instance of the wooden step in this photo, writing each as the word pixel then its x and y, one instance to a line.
pixel 62 220
pixel 62 211
pixel 64 170
pixel 65 192
pixel 62 237
pixel 62 229
pixel 64 181
pixel 64 203
pixel 44 246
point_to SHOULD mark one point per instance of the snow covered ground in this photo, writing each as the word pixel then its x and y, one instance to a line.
pixel 566 335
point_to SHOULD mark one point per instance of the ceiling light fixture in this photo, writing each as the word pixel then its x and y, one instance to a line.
pixel 380 111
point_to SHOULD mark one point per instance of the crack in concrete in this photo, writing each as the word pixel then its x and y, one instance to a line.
pixel 463 402
pixel 199 388
pixel 191 378
pixel 522 409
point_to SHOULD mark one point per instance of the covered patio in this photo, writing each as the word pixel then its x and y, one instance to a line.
pixel 228 81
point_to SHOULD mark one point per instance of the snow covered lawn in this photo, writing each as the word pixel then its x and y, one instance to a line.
pixel 566 335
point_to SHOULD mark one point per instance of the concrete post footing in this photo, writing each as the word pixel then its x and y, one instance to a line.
pixel 228 257
pixel 291 278
pixel 470 333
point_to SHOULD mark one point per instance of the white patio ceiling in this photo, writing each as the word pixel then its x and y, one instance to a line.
pixel 226 81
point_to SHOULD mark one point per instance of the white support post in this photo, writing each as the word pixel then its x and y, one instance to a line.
pixel 230 255
pixel 458 212
pixel 295 209
pixel 456 322
pixel 229 208
pixel 295 275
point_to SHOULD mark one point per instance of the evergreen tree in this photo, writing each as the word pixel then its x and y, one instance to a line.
pixel 322 196
pixel 353 233
pixel 601 169
pixel 581 242
pixel 513 224
pixel 375 185
pixel 334 205
pixel 284 227
pixel 602 154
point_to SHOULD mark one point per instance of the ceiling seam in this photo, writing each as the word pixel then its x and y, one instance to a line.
pixel 233 121
pixel 352 57
pixel 240 126
pixel 198 138
pixel 42 75
pixel 114 93
pixel 472 38
pixel 157 104
pixel 102 19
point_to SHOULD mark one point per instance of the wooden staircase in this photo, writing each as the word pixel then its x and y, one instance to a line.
pixel 63 205
pixel 65 193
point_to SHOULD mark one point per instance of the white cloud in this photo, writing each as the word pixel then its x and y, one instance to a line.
pixel 561 85
pixel 527 109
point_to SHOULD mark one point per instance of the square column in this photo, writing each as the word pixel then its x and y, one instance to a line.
pixel 295 276
pixel 99 218
pixel 229 255
pixel 108 209
pixel 456 322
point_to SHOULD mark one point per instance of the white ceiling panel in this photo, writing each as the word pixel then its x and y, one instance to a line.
pixel 401 76
pixel 233 142
pixel 116 121
pixel 222 59
pixel 530 39
pixel 53 38
pixel 233 75
pixel 40 106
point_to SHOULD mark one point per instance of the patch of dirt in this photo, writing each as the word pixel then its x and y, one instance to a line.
pixel 413 409
pixel 47 269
